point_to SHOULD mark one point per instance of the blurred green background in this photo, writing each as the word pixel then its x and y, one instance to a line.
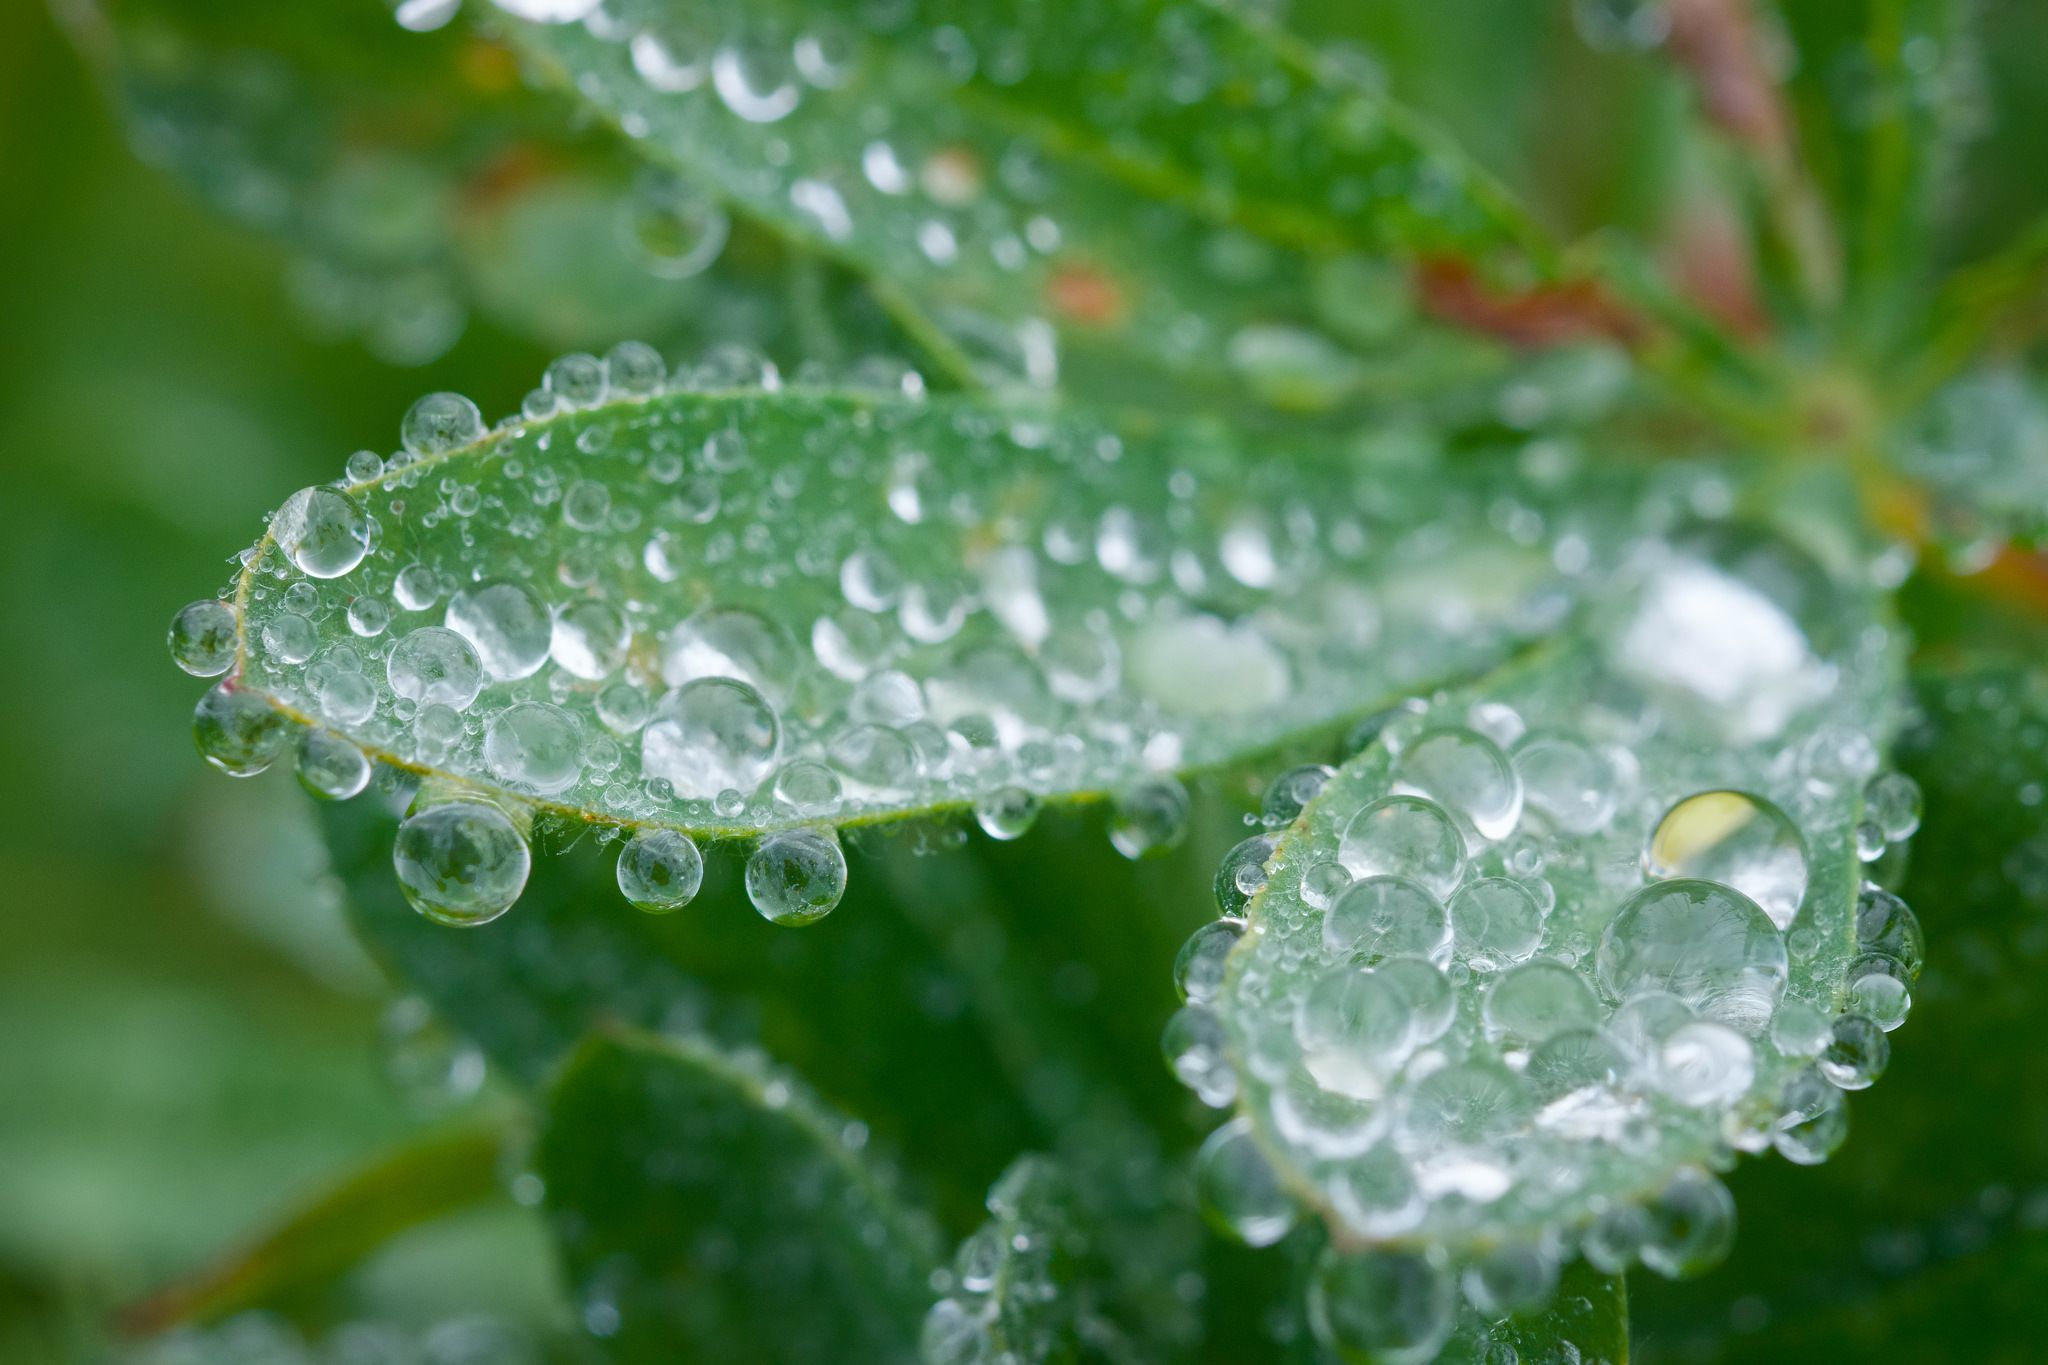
pixel 190 1042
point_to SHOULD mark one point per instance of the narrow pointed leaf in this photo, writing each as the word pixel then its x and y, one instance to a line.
pixel 1553 942
pixel 737 612
pixel 710 1210
pixel 1173 191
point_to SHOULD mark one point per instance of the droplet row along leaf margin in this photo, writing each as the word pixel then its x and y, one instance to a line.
pixel 986 165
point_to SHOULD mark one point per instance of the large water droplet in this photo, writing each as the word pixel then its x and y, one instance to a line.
pixel 1405 836
pixel 1705 943
pixel 1537 1000
pixel 323 531
pixel 709 736
pixel 330 766
pixel 1149 817
pixel 660 870
pixel 507 623
pixel 1386 917
pixel 1568 783
pixel 238 731
pixel 1240 1194
pixel 733 644
pixel 756 80
pixel 797 876
pixel 535 747
pixel 590 639
pixel 1467 774
pixel 1495 923
pixel 461 863
pixel 434 666
pixel 1737 840
pixel 1382 1307
pixel 202 638
pixel 440 422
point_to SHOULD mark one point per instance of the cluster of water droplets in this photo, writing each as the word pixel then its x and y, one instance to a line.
pixel 261 1338
pixel 1509 986
pixel 707 602
pixel 1002 1297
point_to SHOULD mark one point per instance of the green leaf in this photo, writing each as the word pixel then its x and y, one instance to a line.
pixel 1589 1313
pixel 1110 195
pixel 1922 1241
pixel 710 1210
pixel 1679 816
pixel 413 1184
pixel 1012 1292
pixel 739 612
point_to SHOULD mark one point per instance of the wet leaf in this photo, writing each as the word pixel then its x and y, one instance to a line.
pixel 1553 942
pixel 1091 195
pixel 709 1208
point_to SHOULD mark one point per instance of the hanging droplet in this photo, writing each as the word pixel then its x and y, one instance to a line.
pixel 1737 840
pixel 330 766
pixel 1813 1119
pixel 1243 873
pixel 1006 813
pixel 1703 942
pixel 590 638
pixel 238 731
pixel 1150 817
pixel 507 623
pixel 461 863
pixel 1239 1192
pixel 1508 1278
pixel 1887 925
pixel 660 870
pixel 1194 1047
pixel 1878 990
pixel 1382 1307
pixel 1289 793
pixel 796 876
pixel 323 531
pixel 202 638
pixel 1198 970
pixel 440 422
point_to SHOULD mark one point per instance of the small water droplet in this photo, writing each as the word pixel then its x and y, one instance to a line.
pixel 797 876
pixel 440 422
pixel 660 870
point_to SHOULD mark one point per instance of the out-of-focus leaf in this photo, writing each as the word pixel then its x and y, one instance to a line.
pixel 737 611
pixel 1611 816
pixel 1012 1288
pixel 413 1184
pixel 1101 195
pixel 1923 1239
pixel 709 1209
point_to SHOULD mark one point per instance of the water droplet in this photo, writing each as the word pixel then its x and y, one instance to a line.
pixel 1892 803
pixel 440 422
pixel 622 708
pixel 435 666
pixel 1799 1029
pixel 1149 817
pixel 576 380
pixel 368 617
pixel 1813 1119
pixel 1081 665
pixel 363 466
pixel 1707 944
pixel 330 766
pixel 875 756
pixel 290 638
pixel 1506 1278
pixel 660 870
pixel 1879 990
pixel 1703 1063
pixel 932 613
pixel 507 623
pixel 202 638
pixel 870 580
pixel 1384 916
pixel 1737 840
pixel 796 876
pixel 810 790
pixel 1198 970
pixel 323 531
pixel 756 80
pixel 238 731
pixel 1689 1227
pixel 436 730
pixel 1495 923
pixel 1382 1307
pixel 1886 925
pixel 417 587
pixel 634 368
pixel 710 736
pixel 1006 813
pixel 1289 793
pixel 1322 883
pixel 461 863
pixel 1567 783
pixel 1240 1194
pixel 586 504
pixel 590 638
pixel 1537 1000
pixel 535 747
pixel 1243 873
pixel 1405 836
pixel 891 697
pixel 677 225
pixel 732 644
pixel 1467 774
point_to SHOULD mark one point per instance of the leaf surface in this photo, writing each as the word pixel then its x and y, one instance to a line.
pixel 708 1207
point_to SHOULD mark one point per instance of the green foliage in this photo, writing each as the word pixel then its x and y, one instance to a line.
pixel 1062 418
